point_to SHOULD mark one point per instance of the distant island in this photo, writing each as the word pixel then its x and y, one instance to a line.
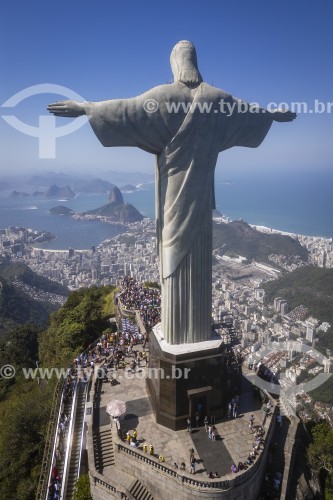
pixel 83 182
pixel 18 194
pixel 54 185
pixel 23 194
pixel 63 193
pixel 116 211
pixel 61 210
pixel 128 188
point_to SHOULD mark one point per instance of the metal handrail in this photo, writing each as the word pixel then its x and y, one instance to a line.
pixel 224 484
pixel 218 484
pixel 42 488
pixel 69 442
pixel 82 431
pixel 48 458
pixel 55 443
pixel 106 485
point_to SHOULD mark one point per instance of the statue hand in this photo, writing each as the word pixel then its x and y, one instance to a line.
pixel 283 115
pixel 70 109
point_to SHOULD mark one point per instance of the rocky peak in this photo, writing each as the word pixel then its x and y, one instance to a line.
pixel 115 196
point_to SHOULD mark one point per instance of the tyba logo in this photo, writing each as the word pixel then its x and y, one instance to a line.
pixel 46 132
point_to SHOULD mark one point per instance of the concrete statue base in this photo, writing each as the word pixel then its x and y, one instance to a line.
pixel 185 378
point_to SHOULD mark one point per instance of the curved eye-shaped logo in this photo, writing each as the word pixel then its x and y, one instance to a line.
pixel 287 387
pixel 46 132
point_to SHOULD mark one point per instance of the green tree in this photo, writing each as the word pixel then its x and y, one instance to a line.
pixel 25 404
pixel 77 324
pixel 24 418
pixel 20 349
pixel 21 346
pixel 320 455
pixel 82 488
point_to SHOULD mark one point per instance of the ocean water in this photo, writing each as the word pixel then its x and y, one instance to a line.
pixel 34 213
pixel 300 203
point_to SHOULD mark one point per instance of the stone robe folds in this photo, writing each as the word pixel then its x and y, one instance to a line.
pixel 186 144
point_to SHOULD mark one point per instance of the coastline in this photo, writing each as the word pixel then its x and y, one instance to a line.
pixel 83 232
pixel 270 230
pixel 264 229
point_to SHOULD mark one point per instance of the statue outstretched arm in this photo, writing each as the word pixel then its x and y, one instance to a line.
pixel 282 115
pixel 119 122
pixel 69 109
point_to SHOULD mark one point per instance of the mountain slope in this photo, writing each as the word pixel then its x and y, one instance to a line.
pixel 57 192
pixel 10 271
pixel 310 286
pixel 118 213
pixel 92 186
pixel 16 307
pixel 26 297
pixel 116 210
pixel 240 238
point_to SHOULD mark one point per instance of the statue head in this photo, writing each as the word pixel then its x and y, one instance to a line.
pixel 184 64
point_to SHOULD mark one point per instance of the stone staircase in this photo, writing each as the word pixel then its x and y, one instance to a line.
pixel 103 449
pixel 282 409
pixel 110 480
pixel 230 335
pixel 139 492
pixel 285 408
pixel 276 456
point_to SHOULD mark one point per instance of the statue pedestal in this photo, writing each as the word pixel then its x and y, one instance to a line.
pixel 185 378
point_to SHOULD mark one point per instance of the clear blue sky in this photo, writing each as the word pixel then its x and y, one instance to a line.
pixel 260 51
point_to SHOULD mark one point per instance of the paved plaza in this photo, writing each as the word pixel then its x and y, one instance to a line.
pixel 234 440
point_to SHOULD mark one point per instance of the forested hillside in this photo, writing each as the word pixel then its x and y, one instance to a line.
pixel 10 271
pixel 74 326
pixel 312 287
pixel 24 296
pixel 25 404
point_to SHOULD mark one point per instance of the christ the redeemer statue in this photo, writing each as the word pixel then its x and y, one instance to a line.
pixel 185 124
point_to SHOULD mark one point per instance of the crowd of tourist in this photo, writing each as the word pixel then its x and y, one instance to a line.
pixel 129 328
pixel 113 351
pixel 264 372
pixel 55 485
pixel 146 300
pixel 118 350
pixel 258 445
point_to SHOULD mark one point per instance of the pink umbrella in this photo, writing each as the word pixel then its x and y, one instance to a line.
pixel 116 408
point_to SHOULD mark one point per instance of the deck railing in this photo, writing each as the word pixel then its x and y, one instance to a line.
pixel 50 442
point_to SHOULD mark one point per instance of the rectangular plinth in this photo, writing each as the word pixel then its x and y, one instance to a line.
pixel 185 379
